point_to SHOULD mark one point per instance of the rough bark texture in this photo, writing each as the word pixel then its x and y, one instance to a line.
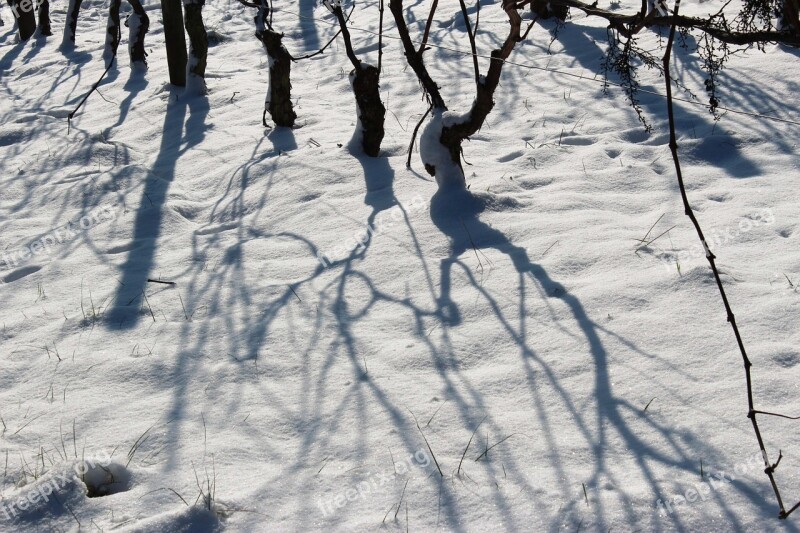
pixel 26 20
pixel 44 18
pixel 633 23
pixel 366 87
pixel 73 10
pixel 791 15
pixel 112 31
pixel 544 9
pixel 280 86
pixel 198 38
pixel 453 136
pixel 136 39
pixel 175 40
pixel 414 57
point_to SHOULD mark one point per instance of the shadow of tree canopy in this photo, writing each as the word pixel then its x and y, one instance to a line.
pixel 320 316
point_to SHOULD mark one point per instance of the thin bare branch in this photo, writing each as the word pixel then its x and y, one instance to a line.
pixel 428 27
pixel 673 144
pixel 471 37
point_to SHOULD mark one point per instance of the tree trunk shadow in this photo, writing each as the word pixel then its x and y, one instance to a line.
pixel 149 215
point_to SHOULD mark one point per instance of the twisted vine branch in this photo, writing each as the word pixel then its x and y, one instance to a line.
pixel 769 468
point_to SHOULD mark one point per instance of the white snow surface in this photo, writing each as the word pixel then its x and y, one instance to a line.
pixel 513 334
pixel 434 153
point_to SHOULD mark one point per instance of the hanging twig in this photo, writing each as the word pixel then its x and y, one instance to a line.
pixel 97 83
pixel 471 37
pixel 427 28
pixel 380 39
pixel 414 136
pixel 673 145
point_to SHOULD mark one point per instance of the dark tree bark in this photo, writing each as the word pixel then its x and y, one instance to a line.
pixel 175 40
pixel 138 23
pixel 414 57
pixel 365 80
pixel 280 85
pixel 44 18
pixel 198 43
pixel 371 111
pixel 630 24
pixel 453 136
pixel 71 26
pixel 544 9
pixel 24 17
pixel 112 31
pixel 791 15
pixel 279 101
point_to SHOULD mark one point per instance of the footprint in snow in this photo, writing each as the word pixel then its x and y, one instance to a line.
pixel 20 273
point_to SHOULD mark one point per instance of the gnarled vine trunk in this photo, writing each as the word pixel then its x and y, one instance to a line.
pixel 175 41
pixel 371 111
pixel 71 26
pixel 44 18
pixel 24 17
pixel 365 80
pixel 198 46
pixel 112 31
pixel 453 136
pixel 449 132
pixel 138 24
pixel 279 99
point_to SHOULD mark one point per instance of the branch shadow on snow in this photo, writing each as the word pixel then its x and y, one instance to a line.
pixel 123 313
pixel 702 139
pixel 308 25
pixel 324 314
pixel 455 213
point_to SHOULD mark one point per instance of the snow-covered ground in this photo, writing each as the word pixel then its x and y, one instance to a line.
pixel 294 378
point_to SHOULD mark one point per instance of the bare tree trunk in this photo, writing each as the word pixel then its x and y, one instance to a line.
pixel 371 111
pixel 451 131
pixel 113 31
pixel 453 136
pixel 791 15
pixel 138 24
pixel 198 46
pixel 24 17
pixel 365 80
pixel 544 10
pixel 279 100
pixel 44 18
pixel 175 40
pixel 414 57
pixel 71 26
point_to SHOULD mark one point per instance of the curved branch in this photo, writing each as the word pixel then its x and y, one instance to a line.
pixel 348 45
pixel 427 28
pixel 471 37
pixel 673 145
pixel 628 25
pixel 414 58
